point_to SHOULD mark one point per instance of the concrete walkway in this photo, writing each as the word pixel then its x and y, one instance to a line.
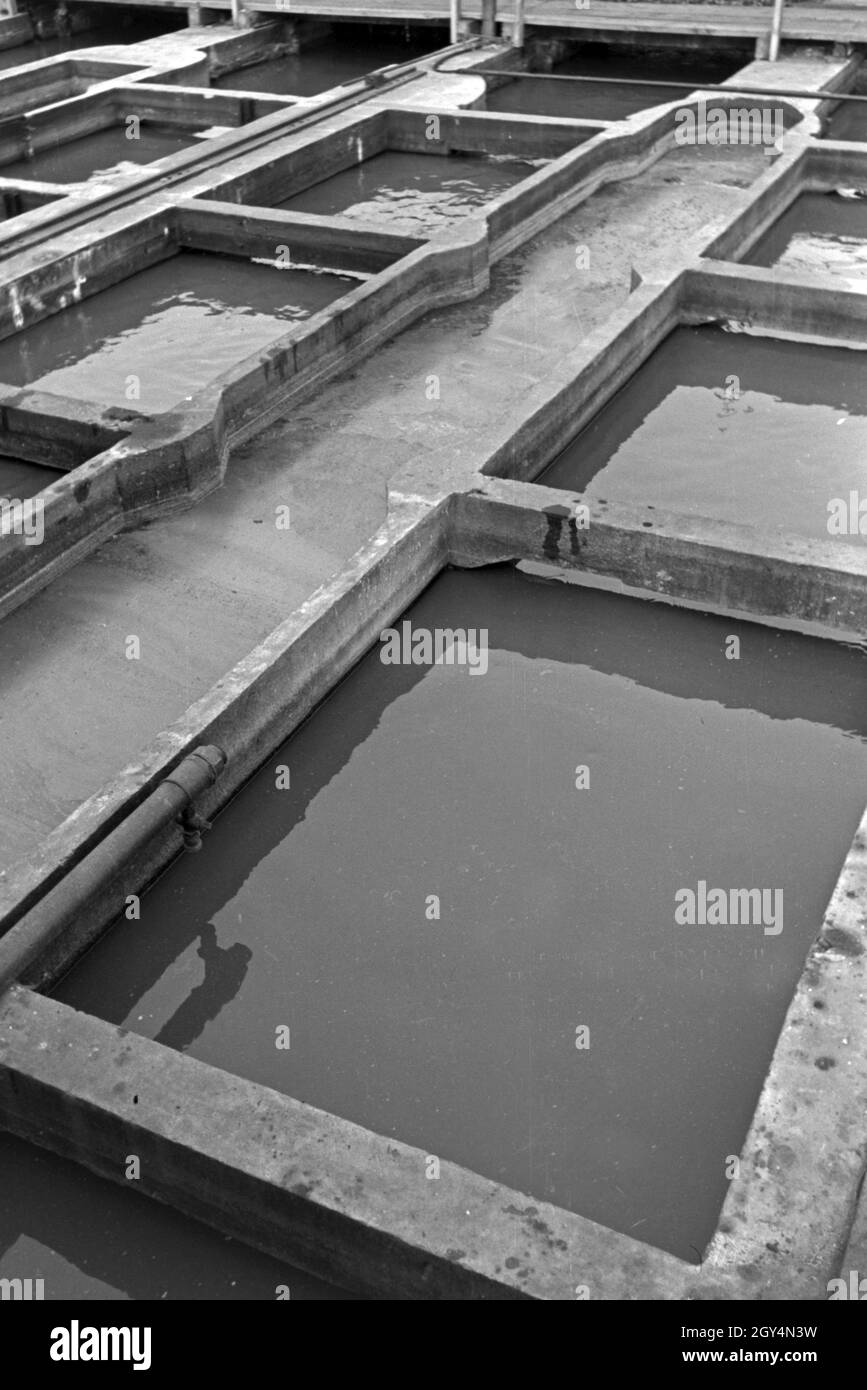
pixel 201 589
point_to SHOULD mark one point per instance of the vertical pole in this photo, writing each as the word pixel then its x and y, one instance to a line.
pixel 454 21
pixel 776 28
pixel 489 19
pixel 518 25
pixel 237 13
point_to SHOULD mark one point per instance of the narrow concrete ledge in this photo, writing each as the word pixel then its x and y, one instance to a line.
pixel 79 203
pixel 786 1217
pixel 408 279
pixel 252 1163
pixel 689 558
pixel 331 1197
pixel 56 1088
pixel 171 460
pixel 250 711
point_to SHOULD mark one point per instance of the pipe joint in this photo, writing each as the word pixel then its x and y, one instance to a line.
pixel 198 771
pixel 192 824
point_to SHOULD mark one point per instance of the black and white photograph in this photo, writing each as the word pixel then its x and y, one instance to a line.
pixel 433 673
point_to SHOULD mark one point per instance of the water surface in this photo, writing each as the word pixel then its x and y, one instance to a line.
pixel 135 32
pixel 820 234
pixel 89 1238
pixel 609 102
pixel 166 331
pixel 433 908
pixel 104 153
pixel 848 121
pixel 727 425
pixel 413 193
pixel 315 70
pixel 20 480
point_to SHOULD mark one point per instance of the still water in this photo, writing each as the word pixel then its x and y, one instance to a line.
pixel 433 907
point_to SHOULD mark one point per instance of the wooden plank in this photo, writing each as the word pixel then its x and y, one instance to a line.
pixel 844 24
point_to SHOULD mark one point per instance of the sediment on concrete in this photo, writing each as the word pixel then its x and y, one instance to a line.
pixel 362 1219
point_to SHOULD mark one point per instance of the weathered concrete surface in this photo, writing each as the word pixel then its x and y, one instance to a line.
pixel 255 705
pixel 202 588
pixel 100 197
pixel 855 1254
pixel 199 589
pixel 786 1219
pixel 251 706
pixel 787 1215
pixel 174 458
pixel 335 1199
pixel 693 558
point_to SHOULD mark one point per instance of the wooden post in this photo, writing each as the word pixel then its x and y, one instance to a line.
pixel 776 28
pixel 518 25
pixel 454 21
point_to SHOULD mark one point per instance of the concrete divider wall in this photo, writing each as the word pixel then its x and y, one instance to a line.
pixel 695 559
pixel 16 200
pixel 477 132
pixel 316 154
pixel 258 705
pixel 323 241
pixel 55 79
pixel 595 373
pixel 173 459
pixel 260 390
pixel 243 47
pixel 183 456
pixel 33 292
pixel 14 30
pixel 784 1221
pixel 185 107
pixel 47 429
pixel 365 1219
pixel 69 120
pixel 111 105
pixel 606 153
pixel 787 303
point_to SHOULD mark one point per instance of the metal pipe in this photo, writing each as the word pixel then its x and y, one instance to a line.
pixel 776 30
pixel 799 92
pixel 39 928
pixel 237 13
pixel 454 21
pixel 489 19
pixel 518 25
